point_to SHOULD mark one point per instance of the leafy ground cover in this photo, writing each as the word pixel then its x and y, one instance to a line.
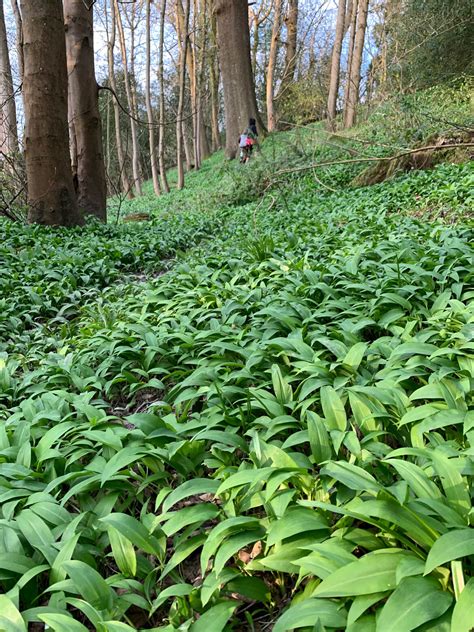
pixel 271 432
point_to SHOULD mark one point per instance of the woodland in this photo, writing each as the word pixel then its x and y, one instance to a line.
pixel 236 383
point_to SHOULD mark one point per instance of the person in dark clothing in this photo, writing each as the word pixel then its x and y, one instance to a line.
pixel 247 141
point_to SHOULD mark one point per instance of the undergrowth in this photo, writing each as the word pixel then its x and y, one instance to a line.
pixel 251 415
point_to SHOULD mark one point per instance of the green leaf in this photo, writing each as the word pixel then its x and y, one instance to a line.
pixel 90 585
pixel 307 612
pixel 351 475
pixel 281 388
pixel 415 601
pixel 361 604
pixel 10 618
pixel 372 573
pixel 354 355
pixel 123 552
pixel 134 531
pixel 463 613
pixel 216 618
pixel 294 521
pixel 193 487
pixel 62 623
pixel 120 461
pixel 319 439
pixel 450 546
pixel 333 409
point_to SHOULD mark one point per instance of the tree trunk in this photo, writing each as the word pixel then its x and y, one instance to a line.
pixel 149 109
pixel 350 54
pixel 214 88
pixel 126 185
pixel 19 38
pixel 128 89
pixel 233 39
pixel 182 84
pixel 336 63
pixel 84 117
pixel 161 79
pixel 51 195
pixel 356 65
pixel 8 123
pixel 272 59
pixel 291 21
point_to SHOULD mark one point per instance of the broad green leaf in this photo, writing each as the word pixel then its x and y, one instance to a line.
pixel 463 613
pixel 351 475
pixel 354 356
pixel 319 439
pixel 90 585
pixel 307 612
pixel 121 460
pixel 450 546
pixel 372 573
pixel 415 601
pixel 361 604
pixel 176 590
pixel 281 388
pixel 123 552
pixel 333 409
pixel 416 478
pixel 215 618
pixel 363 416
pixel 62 623
pixel 134 531
pixel 454 485
pixel 186 516
pixel 244 477
pixel 193 487
pixel 10 618
pixel 295 520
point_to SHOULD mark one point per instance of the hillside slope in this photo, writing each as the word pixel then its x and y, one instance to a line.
pixel 253 412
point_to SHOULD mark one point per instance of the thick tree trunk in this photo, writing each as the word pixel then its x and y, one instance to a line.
pixel 291 22
pixel 84 117
pixel 126 185
pixel 237 78
pixel 128 89
pixel 161 79
pixel 149 110
pixel 272 59
pixel 354 81
pixel 19 38
pixel 8 123
pixel 51 194
pixel 183 36
pixel 336 63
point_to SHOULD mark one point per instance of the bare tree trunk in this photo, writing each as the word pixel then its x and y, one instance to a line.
pixel 234 55
pixel 272 59
pixel 19 38
pixel 350 55
pixel 130 101
pixel 8 122
pixel 354 81
pixel 84 117
pixel 336 63
pixel 149 109
pixel 126 185
pixel 214 87
pixel 182 85
pixel 291 21
pixel 161 141
pixel 51 195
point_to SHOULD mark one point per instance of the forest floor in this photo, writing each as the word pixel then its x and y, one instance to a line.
pixel 253 411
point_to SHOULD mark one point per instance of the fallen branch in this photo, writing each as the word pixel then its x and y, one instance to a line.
pixel 409 152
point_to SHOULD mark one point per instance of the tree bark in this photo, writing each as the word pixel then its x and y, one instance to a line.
pixel 126 185
pixel 84 117
pixel 350 53
pixel 19 38
pixel 336 63
pixel 128 89
pixel 149 110
pixel 161 79
pixel 291 21
pixel 8 122
pixel 272 59
pixel 233 39
pixel 354 81
pixel 183 31
pixel 51 194
pixel 214 79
